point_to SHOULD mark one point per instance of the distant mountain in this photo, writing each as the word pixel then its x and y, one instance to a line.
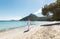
pixel 33 17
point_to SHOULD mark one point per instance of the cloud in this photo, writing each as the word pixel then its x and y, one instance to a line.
pixel 38 11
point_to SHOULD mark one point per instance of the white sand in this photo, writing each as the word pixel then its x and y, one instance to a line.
pixel 36 32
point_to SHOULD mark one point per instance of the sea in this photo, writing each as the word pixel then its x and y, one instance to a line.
pixel 13 24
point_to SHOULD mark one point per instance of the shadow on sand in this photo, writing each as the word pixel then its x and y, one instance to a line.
pixel 51 24
pixel 26 31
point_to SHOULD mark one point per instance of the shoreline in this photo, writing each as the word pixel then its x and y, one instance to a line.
pixel 12 28
pixel 35 32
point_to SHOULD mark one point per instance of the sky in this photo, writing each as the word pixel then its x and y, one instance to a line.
pixel 17 9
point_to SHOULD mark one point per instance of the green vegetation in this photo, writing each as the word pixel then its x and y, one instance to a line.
pixel 53 8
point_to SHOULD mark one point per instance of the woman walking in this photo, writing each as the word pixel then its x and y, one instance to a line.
pixel 28 25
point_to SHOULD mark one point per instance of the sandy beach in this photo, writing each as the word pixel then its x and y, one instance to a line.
pixel 35 32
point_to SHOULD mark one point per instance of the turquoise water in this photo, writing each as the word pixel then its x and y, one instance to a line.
pixel 14 24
